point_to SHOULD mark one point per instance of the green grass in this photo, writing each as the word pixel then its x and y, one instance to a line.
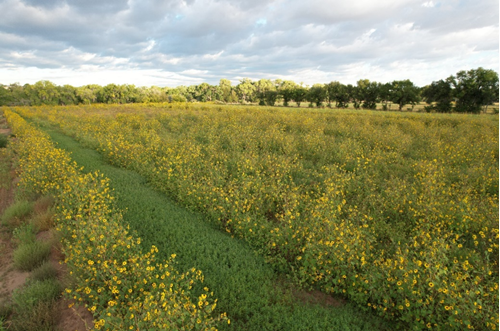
pixel 248 289
pixel 31 255
pixel 16 213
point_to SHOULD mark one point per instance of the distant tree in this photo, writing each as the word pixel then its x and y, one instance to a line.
pixel 368 92
pixel 246 90
pixel 87 94
pixel 226 89
pixel 67 95
pixel 355 95
pixel 404 92
pixel 299 95
pixel 337 92
pixel 385 95
pixel 286 90
pixel 474 89
pixel 317 94
pixel 439 92
pixel 42 92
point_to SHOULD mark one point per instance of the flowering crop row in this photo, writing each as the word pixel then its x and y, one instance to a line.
pixel 123 287
pixel 398 213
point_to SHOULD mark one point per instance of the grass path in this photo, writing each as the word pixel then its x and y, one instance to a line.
pixel 252 294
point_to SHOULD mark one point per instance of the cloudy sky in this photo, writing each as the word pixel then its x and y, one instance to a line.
pixel 172 42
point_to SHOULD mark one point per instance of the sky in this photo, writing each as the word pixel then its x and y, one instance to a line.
pixel 171 43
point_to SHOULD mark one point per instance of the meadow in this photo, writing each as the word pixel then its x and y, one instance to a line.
pixel 395 212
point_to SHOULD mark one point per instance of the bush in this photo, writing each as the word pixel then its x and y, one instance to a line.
pixel 34 306
pixel 3 141
pixel 41 317
pixel 24 234
pixel 44 272
pixel 35 292
pixel 16 213
pixel 29 256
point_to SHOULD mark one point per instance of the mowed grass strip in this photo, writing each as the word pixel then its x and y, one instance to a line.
pixel 252 294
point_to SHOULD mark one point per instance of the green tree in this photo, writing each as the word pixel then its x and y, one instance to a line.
pixel 246 90
pixel 317 94
pixel 474 89
pixel 368 92
pixel 286 90
pixel 439 92
pixel 299 94
pixel 404 92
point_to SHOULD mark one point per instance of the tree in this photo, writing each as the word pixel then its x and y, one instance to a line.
pixel 87 94
pixel 286 90
pixel 337 92
pixel 385 95
pixel 368 92
pixel 404 92
pixel 474 88
pixel 316 94
pixel 439 92
pixel 299 95
pixel 226 89
pixel 246 90
pixel 67 95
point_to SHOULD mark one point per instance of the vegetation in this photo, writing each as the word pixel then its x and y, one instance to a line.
pixel 397 213
pixel 470 90
pixel 253 296
pixel 122 285
pixel 29 256
pixel 16 213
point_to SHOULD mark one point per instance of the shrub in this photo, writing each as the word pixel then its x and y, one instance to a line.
pixel 29 256
pixel 3 141
pixel 16 213
pixel 35 292
pixel 24 234
pixel 44 272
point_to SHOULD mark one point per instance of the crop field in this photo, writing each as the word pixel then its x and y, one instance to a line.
pixel 395 212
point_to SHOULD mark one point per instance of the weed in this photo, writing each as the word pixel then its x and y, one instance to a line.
pixel 3 140
pixel 16 213
pixel 44 272
pixel 40 317
pixel 29 256
pixel 43 221
pixel 36 291
pixel 5 310
pixel 24 234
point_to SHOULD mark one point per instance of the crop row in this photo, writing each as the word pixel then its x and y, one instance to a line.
pixel 398 213
pixel 124 287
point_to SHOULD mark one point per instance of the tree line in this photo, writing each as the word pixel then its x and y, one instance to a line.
pixel 468 91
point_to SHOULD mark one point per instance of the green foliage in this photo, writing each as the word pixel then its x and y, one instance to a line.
pixel 16 213
pixel 31 255
pixel 404 92
pixel 24 234
pixel 35 292
pixel 474 88
pixel 43 272
pixel 34 308
pixel 441 93
pixel 3 140
pixel 246 287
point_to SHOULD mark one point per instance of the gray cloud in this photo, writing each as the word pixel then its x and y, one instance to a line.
pixel 205 40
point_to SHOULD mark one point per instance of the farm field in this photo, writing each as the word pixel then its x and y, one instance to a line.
pixel 398 213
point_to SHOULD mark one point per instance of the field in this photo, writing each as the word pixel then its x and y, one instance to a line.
pixel 397 213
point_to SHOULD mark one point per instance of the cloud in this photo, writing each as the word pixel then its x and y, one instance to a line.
pixel 205 40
